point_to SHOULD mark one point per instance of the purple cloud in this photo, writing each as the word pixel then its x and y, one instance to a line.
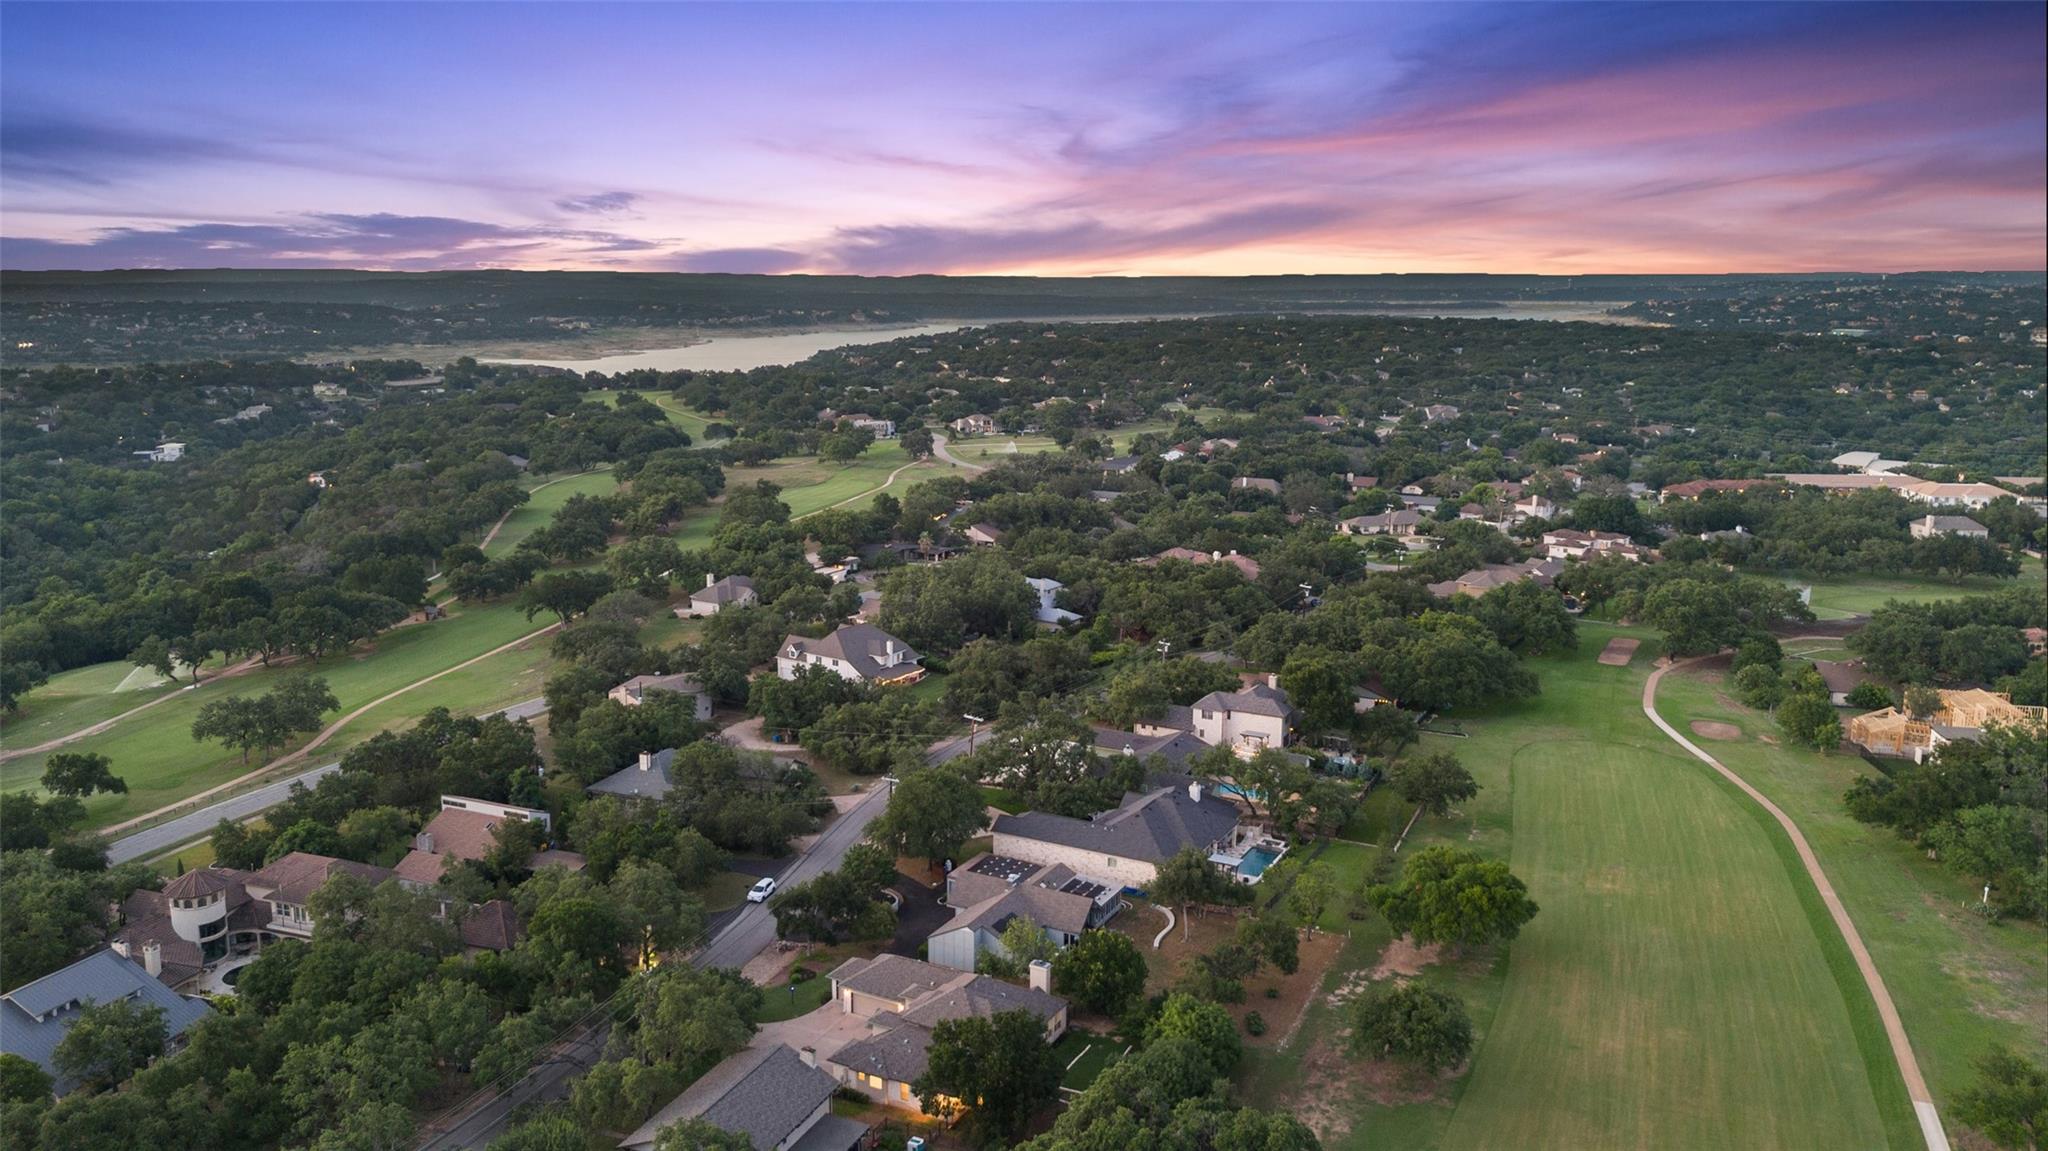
pixel 319 240
pixel 601 203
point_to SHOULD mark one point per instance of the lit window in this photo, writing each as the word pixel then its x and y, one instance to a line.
pixel 905 1087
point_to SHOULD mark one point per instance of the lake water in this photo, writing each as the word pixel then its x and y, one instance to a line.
pixel 743 353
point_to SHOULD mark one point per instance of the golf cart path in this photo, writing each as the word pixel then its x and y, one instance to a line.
pixel 939 450
pixel 103 725
pixel 1894 1028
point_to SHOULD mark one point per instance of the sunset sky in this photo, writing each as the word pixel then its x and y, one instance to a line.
pixel 1055 139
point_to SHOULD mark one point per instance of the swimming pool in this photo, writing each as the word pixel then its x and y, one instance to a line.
pixel 1256 861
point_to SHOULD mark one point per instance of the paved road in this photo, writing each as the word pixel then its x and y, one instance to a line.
pixel 1887 1012
pixel 753 928
pixel 154 841
pixel 740 938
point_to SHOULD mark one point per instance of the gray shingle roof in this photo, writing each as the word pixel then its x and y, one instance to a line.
pixel 862 645
pixel 1255 700
pixel 894 977
pixel 1152 826
pixel 637 782
pixel 764 1093
pixel 982 996
pixel 898 1053
pixel 34 1016
pixel 1176 748
pixel 725 591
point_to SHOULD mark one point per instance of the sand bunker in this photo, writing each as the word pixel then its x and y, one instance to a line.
pixel 1712 730
pixel 1619 651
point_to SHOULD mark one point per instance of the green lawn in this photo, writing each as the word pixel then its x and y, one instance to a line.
pixel 80 698
pixel 1961 984
pixel 811 485
pixel 1083 1055
pixel 162 763
pixel 1678 988
pixel 687 418
pixel 1839 597
pixel 1002 799
pixel 535 513
pixel 794 999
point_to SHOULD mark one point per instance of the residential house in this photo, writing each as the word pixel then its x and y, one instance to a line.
pixel 1535 508
pixel 1694 489
pixel 1049 611
pixel 1395 523
pixel 989 891
pixel 778 1098
pixel 35 1015
pixel 1437 413
pixel 1173 746
pixel 883 429
pixel 164 453
pixel 1571 543
pixel 1246 721
pixel 859 652
pixel 1479 581
pixel 718 594
pixel 1127 843
pixel 210 914
pixel 647 777
pixel 467 828
pixel 1842 677
pixel 1963 714
pixel 1929 526
pixel 1355 483
pixel 635 691
pixel 320 480
pixel 1119 465
pixel 1931 492
pixel 974 425
pixel 1245 564
pixel 903 999
pixel 1256 484
pixel 984 535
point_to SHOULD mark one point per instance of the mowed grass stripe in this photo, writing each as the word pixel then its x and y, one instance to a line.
pixel 1962 983
pixel 1672 993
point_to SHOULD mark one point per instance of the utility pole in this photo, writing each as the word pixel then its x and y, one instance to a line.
pixel 974 723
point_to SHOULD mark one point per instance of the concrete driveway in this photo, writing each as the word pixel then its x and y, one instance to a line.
pixel 825 1030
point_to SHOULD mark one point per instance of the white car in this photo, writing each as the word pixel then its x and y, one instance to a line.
pixel 762 890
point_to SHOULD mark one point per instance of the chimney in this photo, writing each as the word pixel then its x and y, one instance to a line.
pixel 120 947
pixel 424 841
pixel 153 958
pixel 708 580
pixel 1195 791
pixel 889 653
pixel 646 761
pixel 1215 555
pixel 1041 976
pixel 809 1055
pixel 1273 680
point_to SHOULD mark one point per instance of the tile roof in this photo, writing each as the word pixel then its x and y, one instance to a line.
pixel 492 926
pixel 460 833
pixel 764 1093
pixel 295 876
pixel 422 867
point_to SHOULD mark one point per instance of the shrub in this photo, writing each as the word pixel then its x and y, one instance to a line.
pixel 1254 1023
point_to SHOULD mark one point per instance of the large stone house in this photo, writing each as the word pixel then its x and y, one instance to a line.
pixel 1126 844
pixel 1247 721
pixel 467 828
pixel 860 652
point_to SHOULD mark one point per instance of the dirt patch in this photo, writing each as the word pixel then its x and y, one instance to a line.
pixel 1715 730
pixel 1403 957
pixel 1619 651
pixel 1335 1084
pixel 1285 1011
